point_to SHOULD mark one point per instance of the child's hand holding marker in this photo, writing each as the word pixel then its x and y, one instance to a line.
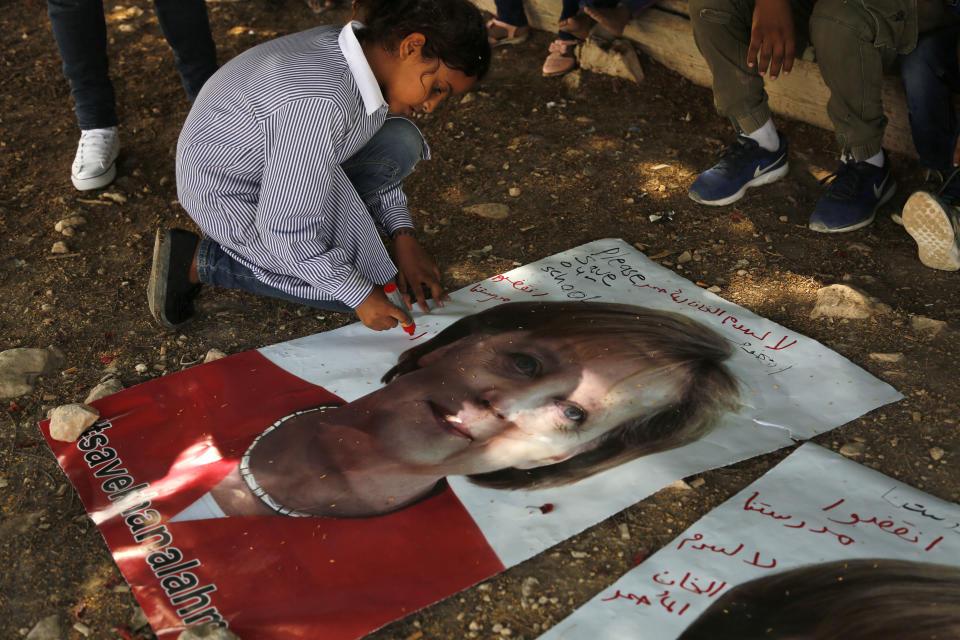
pixel 378 313
pixel 393 295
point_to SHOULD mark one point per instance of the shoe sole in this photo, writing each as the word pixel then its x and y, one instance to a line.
pixel 928 224
pixel 863 223
pixel 760 180
pixel 159 272
pixel 95 182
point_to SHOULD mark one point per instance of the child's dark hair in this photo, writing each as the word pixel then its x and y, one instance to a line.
pixel 454 30
pixel 852 599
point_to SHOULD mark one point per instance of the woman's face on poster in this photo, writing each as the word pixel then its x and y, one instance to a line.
pixel 486 403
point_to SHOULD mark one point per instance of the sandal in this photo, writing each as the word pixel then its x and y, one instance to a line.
pixel 578 26
pixel 499 33
pixel 562 58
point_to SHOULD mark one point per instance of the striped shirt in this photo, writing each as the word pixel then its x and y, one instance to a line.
pixel 258 166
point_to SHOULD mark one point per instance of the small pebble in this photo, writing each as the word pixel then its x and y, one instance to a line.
pixel 213 354
pixel 60 247
pixel 514 192
pixel 69 222
pixel 936 453
pixel 853 449
pixel 887 357
pixel 141 368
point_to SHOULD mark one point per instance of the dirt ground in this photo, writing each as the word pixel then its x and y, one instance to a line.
pixel 592 162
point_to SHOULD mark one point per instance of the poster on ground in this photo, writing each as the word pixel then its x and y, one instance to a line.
pixel 334 483
pixel 818 547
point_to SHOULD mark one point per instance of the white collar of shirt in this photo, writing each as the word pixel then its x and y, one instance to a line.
pixel 360 68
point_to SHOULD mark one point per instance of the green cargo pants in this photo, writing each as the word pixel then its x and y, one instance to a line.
pixel 855 40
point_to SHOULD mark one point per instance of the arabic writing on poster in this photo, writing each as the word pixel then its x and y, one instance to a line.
pixel 674 601
pixel 904 530
pixel 605 267
pixel 897 498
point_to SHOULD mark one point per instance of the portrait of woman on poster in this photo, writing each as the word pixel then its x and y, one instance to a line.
pixel 518 396
pixel 851 599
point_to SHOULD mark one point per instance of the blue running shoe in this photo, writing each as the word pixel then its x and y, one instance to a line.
pixel 855 192
pixel 742 165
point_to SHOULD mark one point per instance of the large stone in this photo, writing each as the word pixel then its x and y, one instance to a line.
pixel 616 58
pixel 844 301
pixel 492 210
pixel 20 367
pixel 70 420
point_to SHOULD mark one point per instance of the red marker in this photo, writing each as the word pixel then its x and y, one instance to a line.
pixel 393 295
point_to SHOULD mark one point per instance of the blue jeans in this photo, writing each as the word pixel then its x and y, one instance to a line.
pixel 81 34
pixel 387 158
pixel 930 74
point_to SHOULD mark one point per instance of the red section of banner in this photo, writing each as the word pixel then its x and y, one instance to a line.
pixel 162 445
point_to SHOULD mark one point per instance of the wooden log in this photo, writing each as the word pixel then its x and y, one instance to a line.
pixel 663 33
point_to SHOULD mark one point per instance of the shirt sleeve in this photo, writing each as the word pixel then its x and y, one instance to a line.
pixel 389 208
pixel 299 193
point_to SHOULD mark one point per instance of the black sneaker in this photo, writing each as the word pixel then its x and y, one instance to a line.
pixel 855 191
pixel 742 165
pixel 170 293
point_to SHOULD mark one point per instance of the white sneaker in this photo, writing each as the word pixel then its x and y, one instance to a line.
pixel 95 165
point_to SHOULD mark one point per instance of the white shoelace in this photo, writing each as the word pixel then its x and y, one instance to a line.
pixel 97 147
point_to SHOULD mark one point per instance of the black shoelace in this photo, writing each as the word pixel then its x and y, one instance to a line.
pixel 952 197
pixel 733 157
pixel 844 182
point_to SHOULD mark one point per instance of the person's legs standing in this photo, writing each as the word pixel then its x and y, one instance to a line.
pixel 186 27
pixel 81 34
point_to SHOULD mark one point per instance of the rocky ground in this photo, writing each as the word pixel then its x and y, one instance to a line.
pixel 574 159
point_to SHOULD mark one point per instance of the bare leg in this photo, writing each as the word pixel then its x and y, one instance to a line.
pixel 613 19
